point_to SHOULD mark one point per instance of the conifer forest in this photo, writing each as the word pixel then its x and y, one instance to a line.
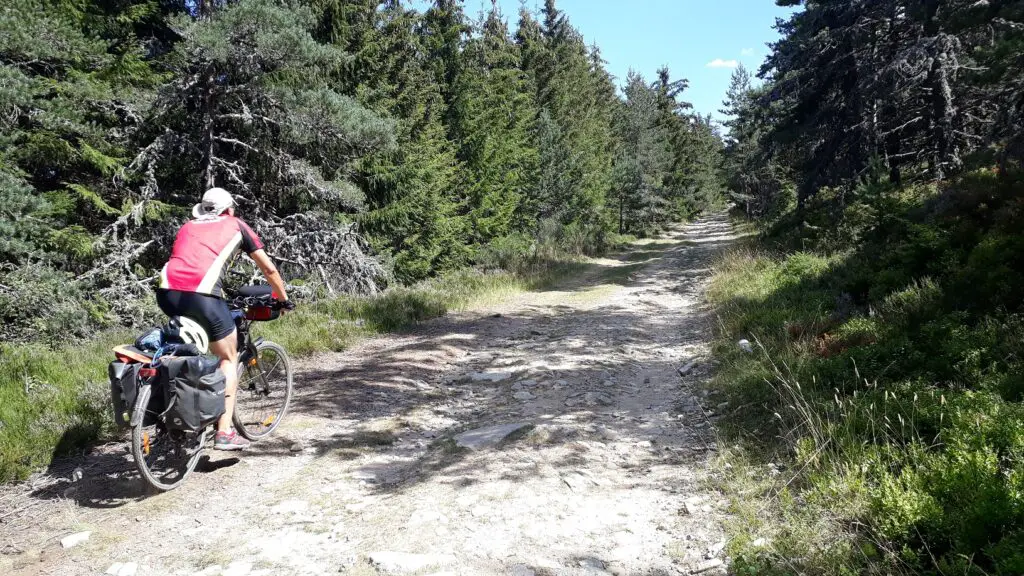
pixel 370 144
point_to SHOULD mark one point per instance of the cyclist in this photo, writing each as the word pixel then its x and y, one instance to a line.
pixel 190 286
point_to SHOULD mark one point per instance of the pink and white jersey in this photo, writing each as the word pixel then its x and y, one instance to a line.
pixel 202 249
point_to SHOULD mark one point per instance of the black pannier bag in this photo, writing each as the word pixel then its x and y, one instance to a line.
pixel 124 387
pixel 193 388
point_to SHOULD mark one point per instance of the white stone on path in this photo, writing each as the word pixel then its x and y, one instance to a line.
pixel 401 562
pixel 358 506
pixel 119 569
pixel 213 570
pixel 487 437
pixel 523 395
pixel 716 549
pixel 592 564
pixel 709 565
pixel 684 370
pixel 74 539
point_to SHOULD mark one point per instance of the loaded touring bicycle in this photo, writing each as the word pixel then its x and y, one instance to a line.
pixel 171 396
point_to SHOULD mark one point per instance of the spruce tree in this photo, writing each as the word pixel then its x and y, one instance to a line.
pixel 694 178
pixel 443 31
pixel 577 94
pixel 72 82
pixel 411 189
pixel 254 110
pixel 494 119
pixel 644 161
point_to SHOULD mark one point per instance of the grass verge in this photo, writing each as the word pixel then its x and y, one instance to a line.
pixel 55 399
pixel 877 423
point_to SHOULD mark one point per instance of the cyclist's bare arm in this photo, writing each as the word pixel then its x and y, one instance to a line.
pixel 270 272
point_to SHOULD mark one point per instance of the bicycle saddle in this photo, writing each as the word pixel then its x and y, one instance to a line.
pixel 256 290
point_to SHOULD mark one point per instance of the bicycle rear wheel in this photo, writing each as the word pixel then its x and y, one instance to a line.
pixel 264 391
pixel 165 458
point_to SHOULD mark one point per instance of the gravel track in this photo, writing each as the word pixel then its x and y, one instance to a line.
pixel 609 475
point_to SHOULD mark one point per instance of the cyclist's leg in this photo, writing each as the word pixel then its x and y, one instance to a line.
pixel 220 326
pixel 227 350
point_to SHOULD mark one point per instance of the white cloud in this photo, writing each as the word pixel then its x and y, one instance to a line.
pixel 719 63
pixel 747 52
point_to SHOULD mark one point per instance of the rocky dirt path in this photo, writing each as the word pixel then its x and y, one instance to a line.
pixel 593 458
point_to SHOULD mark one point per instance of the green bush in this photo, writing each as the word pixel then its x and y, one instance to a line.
pixel 51 401
pixel 39 303
pixel 507 252
pixel 888 382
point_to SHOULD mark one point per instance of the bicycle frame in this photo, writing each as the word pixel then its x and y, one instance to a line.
pixel 248 349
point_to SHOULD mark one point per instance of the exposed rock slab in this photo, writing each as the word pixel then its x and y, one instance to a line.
pixel 488 437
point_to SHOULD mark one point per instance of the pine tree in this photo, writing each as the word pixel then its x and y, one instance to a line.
pixel 253 110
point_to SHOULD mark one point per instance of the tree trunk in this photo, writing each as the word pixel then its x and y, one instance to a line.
pixel 890 111
pixel 944 157
pixel 621 216
pixel 208 141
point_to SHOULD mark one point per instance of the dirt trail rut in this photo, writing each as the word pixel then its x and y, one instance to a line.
pixel 608 477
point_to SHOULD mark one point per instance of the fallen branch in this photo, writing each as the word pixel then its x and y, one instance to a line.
pixel 124 259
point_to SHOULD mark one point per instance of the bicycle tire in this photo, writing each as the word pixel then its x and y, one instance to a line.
pixel 257 424
pixel 141 447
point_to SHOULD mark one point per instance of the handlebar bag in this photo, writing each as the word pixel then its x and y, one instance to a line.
pixel 261 313
pixel 194 390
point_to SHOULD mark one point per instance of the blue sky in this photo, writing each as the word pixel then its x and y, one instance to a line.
pixel 700 40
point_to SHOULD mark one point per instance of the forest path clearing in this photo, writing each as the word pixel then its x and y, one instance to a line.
pixel 366 475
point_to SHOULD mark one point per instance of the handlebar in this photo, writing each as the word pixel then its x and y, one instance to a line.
pixel 239 300
pixel 243 302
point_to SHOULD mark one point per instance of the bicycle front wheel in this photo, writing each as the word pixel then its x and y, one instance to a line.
pixel 264 391
pixel 165 458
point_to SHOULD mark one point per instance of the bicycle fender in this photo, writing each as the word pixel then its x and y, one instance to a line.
pixel 139 411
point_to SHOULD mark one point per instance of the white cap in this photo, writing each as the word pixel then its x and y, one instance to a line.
pixel 215 202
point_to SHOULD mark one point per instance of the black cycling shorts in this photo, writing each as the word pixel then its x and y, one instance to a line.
pixel 210 312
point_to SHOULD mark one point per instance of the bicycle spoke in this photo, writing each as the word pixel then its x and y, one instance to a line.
pixel 268 381
pixel 274 367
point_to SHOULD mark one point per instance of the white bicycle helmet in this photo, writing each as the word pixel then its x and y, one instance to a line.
pixel 192 333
